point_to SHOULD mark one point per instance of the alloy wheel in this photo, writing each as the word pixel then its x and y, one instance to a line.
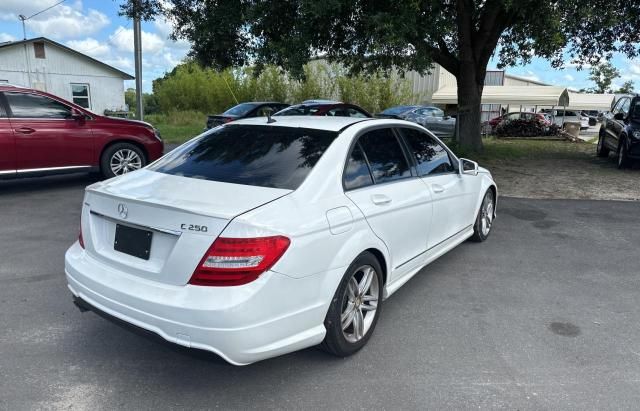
pixel 486 217
pixel 124 161
pixel 359 303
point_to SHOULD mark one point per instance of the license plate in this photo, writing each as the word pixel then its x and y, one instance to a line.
pixel 133 241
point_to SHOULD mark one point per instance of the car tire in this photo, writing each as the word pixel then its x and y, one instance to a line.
pixel 124 155
pixel 623 157
pixel 349 301
pixel 484 219
pixel 602 150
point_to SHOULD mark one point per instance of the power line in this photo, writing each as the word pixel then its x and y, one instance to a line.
pixel 23 18
pixel 48 8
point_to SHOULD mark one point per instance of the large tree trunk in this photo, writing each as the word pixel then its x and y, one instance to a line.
pixel 470 85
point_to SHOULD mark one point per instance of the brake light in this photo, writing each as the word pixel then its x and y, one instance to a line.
pixel 80 239
pixel 237 261
pixel 228 119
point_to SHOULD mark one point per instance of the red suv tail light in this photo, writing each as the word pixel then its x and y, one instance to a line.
pixel 80 239
pixel 237 261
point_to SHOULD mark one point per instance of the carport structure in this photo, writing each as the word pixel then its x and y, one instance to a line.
pixel 510 95
pixel 585 101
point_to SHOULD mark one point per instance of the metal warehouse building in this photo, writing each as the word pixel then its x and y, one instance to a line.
pixel 49 66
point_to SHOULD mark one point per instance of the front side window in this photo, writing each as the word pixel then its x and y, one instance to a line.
pixel 26 105
pixel 385 155
pixel 257 155
pixel 80 94
pixel 635 110
pixel 431 157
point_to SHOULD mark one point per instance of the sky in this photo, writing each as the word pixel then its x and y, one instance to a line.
pixel 94 27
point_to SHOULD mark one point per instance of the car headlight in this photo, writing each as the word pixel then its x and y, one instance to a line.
pixel 156 133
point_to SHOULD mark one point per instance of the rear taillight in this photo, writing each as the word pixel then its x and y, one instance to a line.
pixel 237 261
pixel 227 119
pixel 80 239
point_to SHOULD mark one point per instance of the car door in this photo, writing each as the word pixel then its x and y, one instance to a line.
pixel 453 194
pixel 378 178
pixel 7 143
pixel 46 136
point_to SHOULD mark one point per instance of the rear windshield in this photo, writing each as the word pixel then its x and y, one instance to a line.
pixel 298 111
pixel 240 109
pixel 265 156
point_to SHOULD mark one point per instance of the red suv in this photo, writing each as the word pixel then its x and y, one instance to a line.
pixel 44 134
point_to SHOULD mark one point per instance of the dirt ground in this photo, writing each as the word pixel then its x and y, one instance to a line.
pixel 583 176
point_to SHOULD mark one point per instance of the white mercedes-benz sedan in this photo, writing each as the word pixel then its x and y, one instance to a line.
pixel 262 237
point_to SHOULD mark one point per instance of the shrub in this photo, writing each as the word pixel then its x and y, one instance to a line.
pixel 526 128
pixel 191 87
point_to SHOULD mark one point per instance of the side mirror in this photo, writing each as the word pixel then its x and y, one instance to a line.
pixel 618 116
pixel 467 167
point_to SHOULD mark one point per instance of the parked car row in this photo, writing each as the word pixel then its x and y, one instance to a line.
pixel 429 117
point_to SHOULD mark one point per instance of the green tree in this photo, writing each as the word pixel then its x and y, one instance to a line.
pixel 460 35
pixel 627 88
pixel 603 75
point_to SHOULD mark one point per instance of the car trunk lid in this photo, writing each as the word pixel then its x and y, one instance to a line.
pixel 181 216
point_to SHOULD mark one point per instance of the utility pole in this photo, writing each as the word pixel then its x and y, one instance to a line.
pixel 137 51
pixel 24 29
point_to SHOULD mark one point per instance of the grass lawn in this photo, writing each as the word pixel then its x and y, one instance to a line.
pixel 517 149
pixel 178 127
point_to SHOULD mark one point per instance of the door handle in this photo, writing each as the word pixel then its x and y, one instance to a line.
pixel 25 130
pixel 380 199
pixel 437 188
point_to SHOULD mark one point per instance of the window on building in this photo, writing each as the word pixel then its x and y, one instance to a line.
pixel 38 49
pixel 80 94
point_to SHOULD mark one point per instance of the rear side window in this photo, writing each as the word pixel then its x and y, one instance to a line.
pixel 357 174
pixel 385 155
pixel 265 156
pixel 431 157
pixel 25 105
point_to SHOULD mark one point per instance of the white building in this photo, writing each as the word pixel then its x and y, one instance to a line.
pixel 49 66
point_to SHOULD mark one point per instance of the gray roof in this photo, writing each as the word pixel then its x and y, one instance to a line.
pixel 125 76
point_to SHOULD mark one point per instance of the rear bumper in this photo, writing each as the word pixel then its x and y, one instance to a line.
pixel 271 316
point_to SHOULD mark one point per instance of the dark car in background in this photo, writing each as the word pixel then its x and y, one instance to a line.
pixel 432 118
pixel 324 108
pixel 43 134
pixel 244 110
pixel 620 131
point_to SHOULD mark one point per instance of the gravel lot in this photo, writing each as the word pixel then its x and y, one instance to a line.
pixel 544 315
pixel 583 176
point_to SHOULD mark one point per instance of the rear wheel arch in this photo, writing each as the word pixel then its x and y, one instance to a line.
pixel 382 260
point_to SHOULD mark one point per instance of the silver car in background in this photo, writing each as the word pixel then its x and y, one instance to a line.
pixel 432 118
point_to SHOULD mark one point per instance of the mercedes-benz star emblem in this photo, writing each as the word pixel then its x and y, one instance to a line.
pixel 122 210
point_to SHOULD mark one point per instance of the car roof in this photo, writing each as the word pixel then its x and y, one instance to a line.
pixel 313 122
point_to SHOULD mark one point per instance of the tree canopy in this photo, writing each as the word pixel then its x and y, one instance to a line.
pixel 367 35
